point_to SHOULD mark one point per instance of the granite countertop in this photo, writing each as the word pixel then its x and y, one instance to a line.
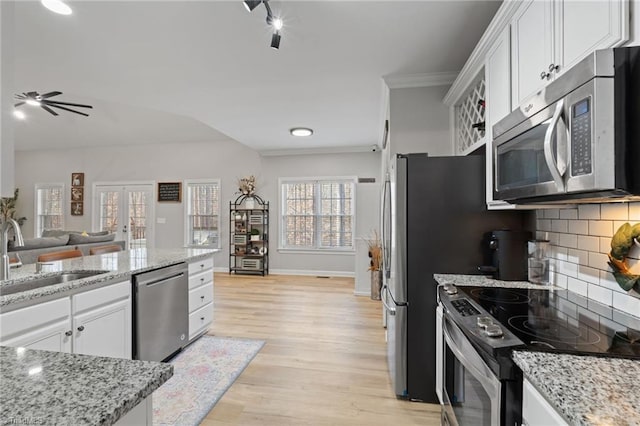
pixel 115 266
pixel 42 387
pixel 486 281
pixel 586 390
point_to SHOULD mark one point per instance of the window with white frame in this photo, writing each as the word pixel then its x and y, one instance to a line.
pixel 49 207
pixel 317 214
pixel 202 213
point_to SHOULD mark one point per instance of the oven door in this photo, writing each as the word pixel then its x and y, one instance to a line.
pixel 530 160
pixel 471 391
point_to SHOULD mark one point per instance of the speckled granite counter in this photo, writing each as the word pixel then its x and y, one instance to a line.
pixel 586 390
pixel 41 387
pixel 485 281
pixel 118 265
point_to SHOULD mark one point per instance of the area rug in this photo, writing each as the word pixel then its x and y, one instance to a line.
pixel 202 373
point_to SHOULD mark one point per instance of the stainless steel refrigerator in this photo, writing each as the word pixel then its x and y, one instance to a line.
pixel 434 217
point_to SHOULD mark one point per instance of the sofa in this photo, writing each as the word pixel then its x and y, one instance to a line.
pixel 60 240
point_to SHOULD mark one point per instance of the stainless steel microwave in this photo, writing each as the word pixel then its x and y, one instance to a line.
pixel 578 139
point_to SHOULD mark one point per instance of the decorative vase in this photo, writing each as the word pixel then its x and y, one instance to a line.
pixel 376 284
pixel 250 203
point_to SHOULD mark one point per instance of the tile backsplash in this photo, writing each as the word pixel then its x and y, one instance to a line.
pixel 580 239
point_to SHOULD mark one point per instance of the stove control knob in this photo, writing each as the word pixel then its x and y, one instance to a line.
pixel 450 289
pixel 484 322
pixel 493 331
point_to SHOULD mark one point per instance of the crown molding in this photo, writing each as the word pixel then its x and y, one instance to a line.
pixel 403 81
pixel 314 151
pixel 475 62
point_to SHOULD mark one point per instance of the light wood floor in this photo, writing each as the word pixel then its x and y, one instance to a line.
pixel 324 361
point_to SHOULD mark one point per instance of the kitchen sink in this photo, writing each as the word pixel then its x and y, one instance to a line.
pixel 46 281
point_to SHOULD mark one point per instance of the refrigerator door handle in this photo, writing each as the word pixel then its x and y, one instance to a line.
pixel 386 227
pixel 385 291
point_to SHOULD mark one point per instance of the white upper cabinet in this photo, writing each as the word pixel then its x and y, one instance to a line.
pixel 549 37
pixel 498 90
pixel 531 49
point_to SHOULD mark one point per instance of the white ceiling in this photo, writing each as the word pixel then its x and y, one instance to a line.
pixel 160 71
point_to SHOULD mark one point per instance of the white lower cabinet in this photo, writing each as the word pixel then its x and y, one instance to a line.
pixel 200 297
pixel 536 411
pixel 95 322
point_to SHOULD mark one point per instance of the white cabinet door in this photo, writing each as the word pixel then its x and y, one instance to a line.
pixel 105 331
pixel 531 49
pixel 585 26
pixel 536 411
pixel 45 326
pixel 102 321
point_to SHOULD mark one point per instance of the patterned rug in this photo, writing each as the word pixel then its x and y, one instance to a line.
pixel 202 374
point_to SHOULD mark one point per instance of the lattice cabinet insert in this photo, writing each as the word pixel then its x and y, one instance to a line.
pixel 469 119
pixel 249 235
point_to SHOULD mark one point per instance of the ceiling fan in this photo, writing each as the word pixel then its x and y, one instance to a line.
pixel 36 99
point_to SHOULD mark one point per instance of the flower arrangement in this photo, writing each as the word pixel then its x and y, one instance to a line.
pixel 621 245
pixel 247 185
pixel 375 252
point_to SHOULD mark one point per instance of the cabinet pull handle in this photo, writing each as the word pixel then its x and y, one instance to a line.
pixel 201 318
pixel 554 68
pixel 544 75
pixel 202 297
pixel 202 265
pixel 68 333
pixel 81 328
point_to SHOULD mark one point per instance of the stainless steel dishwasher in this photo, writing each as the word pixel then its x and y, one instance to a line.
pixel 161 312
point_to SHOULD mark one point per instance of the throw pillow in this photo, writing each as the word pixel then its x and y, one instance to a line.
pixel 87 239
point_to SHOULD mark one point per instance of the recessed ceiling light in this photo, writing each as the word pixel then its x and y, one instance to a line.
pixel 19 114
pixel 57 6
pixel 301 131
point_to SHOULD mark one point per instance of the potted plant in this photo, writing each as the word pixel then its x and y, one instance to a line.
pixel 255 235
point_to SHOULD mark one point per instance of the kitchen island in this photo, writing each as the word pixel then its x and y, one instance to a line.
pixel 43 387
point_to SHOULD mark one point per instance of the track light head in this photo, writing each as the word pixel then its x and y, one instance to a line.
pixel 275 40
pixel 251 4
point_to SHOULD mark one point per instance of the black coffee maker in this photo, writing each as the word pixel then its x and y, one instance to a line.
pixel 505 254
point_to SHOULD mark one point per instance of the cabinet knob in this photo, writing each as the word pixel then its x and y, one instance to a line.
pixel 68 333
pixel 202 265
pixel 554 68
pixel 544 75
pixel 201 318
pixel 201 280
pixel 81 328
pixel 202 297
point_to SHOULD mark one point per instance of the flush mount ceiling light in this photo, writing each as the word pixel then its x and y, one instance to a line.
pixel 36 99
pixel 272 20
pixel 57 6
pixel 301 131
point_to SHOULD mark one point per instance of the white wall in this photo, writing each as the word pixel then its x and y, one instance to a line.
pixel 168 162
pixel 367 204
pixel 419 121
pixel 226 161
pixel 6 99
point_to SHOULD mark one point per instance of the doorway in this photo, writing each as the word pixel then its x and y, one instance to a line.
pixel 127 210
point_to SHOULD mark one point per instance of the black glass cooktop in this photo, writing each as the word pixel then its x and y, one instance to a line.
pixel 557 321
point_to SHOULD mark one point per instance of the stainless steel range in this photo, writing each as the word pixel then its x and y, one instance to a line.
pixel 480 384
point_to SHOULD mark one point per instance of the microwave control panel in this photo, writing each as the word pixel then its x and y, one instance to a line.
pixel 581 162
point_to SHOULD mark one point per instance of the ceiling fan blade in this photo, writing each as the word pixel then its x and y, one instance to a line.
pixel 49 110
pixel 67 109
pixel 18 104
pixel 50 94
pixel 54 103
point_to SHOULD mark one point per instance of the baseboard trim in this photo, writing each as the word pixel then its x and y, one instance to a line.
pixel 304 272
pixel 362 293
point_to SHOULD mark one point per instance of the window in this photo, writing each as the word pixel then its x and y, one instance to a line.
pixel 49 203
pixel 203 213
pixel 318 214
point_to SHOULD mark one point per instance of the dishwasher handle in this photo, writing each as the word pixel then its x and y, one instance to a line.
pixel 160 280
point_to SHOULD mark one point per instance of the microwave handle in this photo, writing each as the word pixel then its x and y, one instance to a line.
pixel 548 153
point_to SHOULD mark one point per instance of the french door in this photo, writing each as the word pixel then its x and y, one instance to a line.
pixel 127 210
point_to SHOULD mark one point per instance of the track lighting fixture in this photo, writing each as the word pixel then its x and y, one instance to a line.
pixel 273 21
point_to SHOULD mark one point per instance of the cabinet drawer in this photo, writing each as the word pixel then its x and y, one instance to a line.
pixel 200 279
pixel 25 319
pixel 199 320
pixel 200 265
pixel 101 296
pixel 200 296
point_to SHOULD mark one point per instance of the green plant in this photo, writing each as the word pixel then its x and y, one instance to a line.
pixel 255 231
pixel 8 208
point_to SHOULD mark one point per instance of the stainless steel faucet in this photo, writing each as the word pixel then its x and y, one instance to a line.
pixel 4 241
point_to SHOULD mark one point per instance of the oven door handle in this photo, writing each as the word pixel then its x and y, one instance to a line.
pixel 553 165
pixel 465 352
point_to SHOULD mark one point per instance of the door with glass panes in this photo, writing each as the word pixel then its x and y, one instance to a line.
pixel 126 210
